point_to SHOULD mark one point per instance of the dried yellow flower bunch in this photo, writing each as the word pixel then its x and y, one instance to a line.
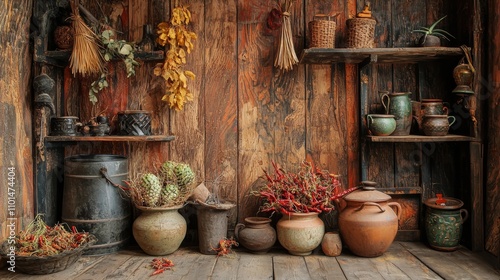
pixel 180 41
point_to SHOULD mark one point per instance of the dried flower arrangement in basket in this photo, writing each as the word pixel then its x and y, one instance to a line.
pixel 171 186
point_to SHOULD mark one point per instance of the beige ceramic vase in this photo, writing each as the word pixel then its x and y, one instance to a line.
pixel 159 231
pixel 331 244
pixel 300 233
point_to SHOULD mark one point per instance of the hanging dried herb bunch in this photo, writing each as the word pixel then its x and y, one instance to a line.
pixel 86 57
pixel 286 57
pixel 180 41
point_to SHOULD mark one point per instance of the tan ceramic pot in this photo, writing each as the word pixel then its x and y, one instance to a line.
pixel 300 233
pixel 256 234
pixel 368 224
pixel 331 244
pixel 159 231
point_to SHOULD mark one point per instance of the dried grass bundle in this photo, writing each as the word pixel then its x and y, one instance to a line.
pixel 286 57
pixel 86 57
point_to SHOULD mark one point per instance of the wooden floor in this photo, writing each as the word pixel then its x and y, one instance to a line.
pixel 404 260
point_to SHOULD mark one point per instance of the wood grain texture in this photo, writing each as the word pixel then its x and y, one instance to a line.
pixel 220 91
pixel 15 109
pixel 492 209
pixel 255 107
pixel 326 106
pixel 188 124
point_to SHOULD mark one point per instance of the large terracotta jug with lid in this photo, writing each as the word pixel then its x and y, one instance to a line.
pixel 367 221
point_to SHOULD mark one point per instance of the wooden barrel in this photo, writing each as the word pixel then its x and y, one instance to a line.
pixel 93 204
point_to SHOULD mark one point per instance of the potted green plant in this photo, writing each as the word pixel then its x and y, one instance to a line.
pixel 432 35
pixel 300 197
pixel 160 228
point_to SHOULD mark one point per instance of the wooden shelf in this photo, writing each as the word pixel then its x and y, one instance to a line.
pixel 420 138
pixel 111 138
pixel 377 55
pixel 61 58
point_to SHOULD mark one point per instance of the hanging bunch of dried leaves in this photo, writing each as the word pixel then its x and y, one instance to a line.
pixel 180 42
pixel 286 57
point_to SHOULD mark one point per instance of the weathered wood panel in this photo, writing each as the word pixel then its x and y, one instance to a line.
pixel 256 118
pixel 326 107
pixel 492 221
pixel 221 101
pixel 16 154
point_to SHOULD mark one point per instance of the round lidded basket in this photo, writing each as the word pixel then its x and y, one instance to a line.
pixel 361 33
pixel 322 30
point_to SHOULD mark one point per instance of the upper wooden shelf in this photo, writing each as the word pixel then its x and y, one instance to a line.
pixel 111 138
pixel 420 138
pixel 377 55
pixel 61 58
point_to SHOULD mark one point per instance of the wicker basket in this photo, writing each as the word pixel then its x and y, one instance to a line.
pixel 322 30
pixel 361 33
pixel 134 122
pixel 48 264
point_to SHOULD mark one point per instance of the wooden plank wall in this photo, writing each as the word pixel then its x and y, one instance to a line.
pixel 247 113
pixel 492 209
pixel 16 161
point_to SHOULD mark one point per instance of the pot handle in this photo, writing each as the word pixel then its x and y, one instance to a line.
pixel 398 207
pixel 237 229
pixel 464 215
pixel 453 119
pixel 370 204
pixel 104 173
pixel 386 106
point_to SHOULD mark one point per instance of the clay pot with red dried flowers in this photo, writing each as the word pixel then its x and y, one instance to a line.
pixel 300 197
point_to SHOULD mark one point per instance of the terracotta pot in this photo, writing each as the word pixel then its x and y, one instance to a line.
pixel 159 231
pixel 331 244
pixel 368 224
pixel 300 233
pixel 257 234
pixel 443 223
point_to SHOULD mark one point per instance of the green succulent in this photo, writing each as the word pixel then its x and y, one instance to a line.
pixel 432 30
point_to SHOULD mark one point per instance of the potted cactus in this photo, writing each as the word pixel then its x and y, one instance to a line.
pixel 160 228
pixel 432 35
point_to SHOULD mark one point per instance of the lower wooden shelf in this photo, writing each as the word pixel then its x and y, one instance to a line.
pixel 420 138
pixel 111 138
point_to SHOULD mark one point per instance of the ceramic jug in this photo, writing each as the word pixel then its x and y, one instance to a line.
pixel 399 105
pixel 368 222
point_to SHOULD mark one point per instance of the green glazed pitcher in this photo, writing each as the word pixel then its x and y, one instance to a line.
pixel 399 105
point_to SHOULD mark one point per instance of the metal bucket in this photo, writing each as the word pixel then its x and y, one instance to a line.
pixel 93 204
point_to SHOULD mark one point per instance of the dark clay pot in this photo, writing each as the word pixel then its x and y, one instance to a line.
pixel 429 41
pixel 256 234
pixel 437 125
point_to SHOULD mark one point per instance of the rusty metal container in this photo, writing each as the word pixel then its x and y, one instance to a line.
pixel 93 204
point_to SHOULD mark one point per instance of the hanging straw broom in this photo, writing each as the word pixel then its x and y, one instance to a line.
pixel 86 57
pixel 286 57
